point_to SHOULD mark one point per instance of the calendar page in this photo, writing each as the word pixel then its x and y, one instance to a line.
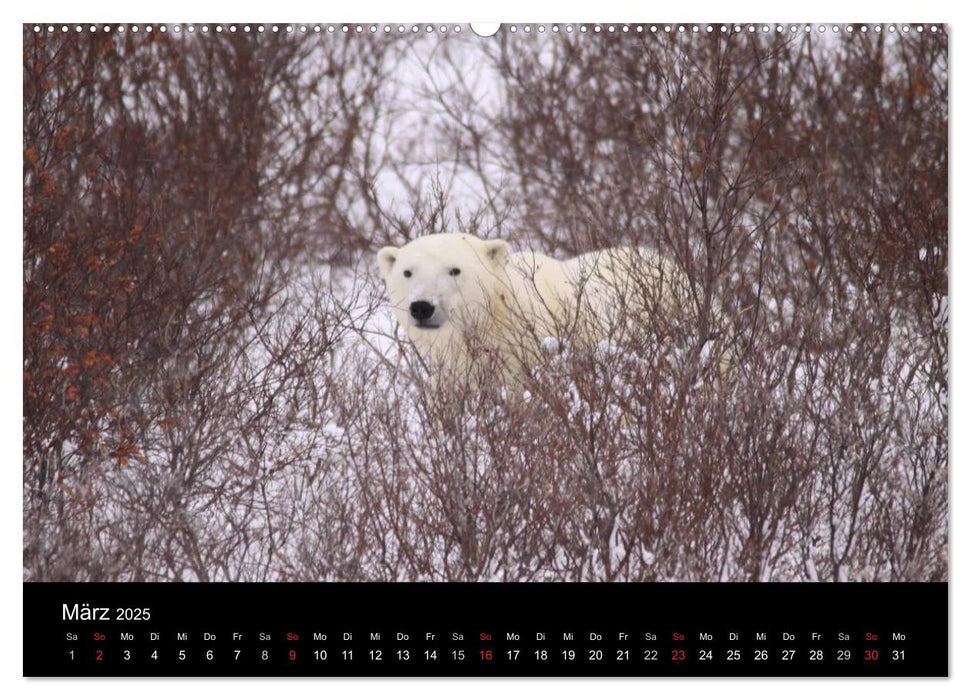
pixel 485 350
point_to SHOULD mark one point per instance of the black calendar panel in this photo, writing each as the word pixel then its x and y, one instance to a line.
pixel 237 629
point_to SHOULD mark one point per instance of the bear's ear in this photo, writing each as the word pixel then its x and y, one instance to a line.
pixel 386 258
pixel 496 252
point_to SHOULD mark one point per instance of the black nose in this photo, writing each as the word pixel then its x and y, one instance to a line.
pixel 421 310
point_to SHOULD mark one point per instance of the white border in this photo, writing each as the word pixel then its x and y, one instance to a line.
pixel 491 10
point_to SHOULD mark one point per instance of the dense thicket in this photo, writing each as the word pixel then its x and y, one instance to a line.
pixel 212 389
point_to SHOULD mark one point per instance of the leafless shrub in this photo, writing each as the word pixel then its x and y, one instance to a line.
pixel 213 390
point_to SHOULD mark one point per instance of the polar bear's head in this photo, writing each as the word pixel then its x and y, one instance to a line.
pixel 443 283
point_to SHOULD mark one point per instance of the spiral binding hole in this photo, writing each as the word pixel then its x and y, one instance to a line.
pixel 444 29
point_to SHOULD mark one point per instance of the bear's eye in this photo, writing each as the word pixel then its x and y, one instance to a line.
pixel 407 273
pixel 454 272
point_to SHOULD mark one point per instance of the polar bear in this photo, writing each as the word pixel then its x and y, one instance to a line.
pixel 464 300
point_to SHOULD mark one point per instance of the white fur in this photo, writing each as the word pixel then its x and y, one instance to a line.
pixel 501 305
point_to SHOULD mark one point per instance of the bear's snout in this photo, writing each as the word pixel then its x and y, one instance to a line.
pixel 421 310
